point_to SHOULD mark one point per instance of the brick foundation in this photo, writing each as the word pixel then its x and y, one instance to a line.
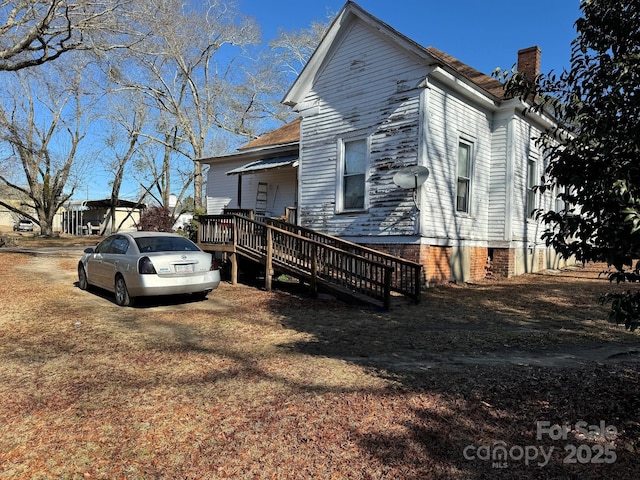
pixel 502 262
pixel 479 264
pixel 436 261
pixel 472 264
pixel 411 252
pixel 438 264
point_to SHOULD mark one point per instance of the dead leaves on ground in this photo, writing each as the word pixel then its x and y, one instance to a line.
pixel 226 389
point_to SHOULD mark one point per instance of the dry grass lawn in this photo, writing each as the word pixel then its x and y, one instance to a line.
pixel 257 385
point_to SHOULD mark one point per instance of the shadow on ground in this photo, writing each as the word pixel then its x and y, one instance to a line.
pixel 499 358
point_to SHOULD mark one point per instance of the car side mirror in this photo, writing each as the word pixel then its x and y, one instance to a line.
pixel 89 250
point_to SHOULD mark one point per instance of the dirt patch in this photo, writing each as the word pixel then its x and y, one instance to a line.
pixel 533 320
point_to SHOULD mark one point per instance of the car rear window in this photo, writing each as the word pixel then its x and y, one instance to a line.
pixel 165 244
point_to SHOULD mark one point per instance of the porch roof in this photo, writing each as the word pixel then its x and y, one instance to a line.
pixel 265 164
pixel 79 205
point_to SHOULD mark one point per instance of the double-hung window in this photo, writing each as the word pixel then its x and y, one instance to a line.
pixel 463 190
pixel 353 175
pixel 532 181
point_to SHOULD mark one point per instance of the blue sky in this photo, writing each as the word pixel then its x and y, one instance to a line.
pixel 484 34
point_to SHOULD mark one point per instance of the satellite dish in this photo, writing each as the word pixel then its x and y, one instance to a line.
pixel 411 177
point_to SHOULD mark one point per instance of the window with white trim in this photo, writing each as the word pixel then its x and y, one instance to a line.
pixel 532 181
pixel 353 173
pixel 465 167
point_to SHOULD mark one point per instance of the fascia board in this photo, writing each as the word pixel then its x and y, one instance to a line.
pixel 254 154
pixel 460 85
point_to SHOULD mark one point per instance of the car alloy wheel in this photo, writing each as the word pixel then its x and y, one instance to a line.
pixel 122 294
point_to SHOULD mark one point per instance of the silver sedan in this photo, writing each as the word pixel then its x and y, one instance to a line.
pixel 136 264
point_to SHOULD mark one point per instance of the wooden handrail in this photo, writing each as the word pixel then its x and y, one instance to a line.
pixel 407 275
pixel 315 259
pixel 333 271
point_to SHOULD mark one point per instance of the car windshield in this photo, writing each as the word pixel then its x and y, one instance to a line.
pixel 165 244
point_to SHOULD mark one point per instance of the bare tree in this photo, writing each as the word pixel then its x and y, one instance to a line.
pixel 209 84
pixel 272 74
pixel 132 150
pixel 126 118
pixel 191 71
pixel 42 122
pixel 34 32
pixel 294 48
pixel 157 177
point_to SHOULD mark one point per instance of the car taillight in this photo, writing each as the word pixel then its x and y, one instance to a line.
pixel 145 266
pixel 214 264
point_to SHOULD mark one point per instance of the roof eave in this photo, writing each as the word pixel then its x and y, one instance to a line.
pixel 243 170
pixel 523 108
pixel 465 87
pixel 254 153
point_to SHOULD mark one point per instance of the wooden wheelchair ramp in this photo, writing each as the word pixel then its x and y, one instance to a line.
pixel 322 261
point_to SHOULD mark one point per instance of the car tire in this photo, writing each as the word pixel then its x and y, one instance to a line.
pixel 83 282
pixel 122 293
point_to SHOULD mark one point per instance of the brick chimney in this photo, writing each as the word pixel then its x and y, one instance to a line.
pixel 529 62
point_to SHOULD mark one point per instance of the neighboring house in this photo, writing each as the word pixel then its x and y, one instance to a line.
pixel 93 217
pixel 372 103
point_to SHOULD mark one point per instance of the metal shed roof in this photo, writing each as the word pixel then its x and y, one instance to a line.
pixel 266 164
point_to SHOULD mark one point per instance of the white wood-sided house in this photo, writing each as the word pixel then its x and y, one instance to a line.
pixel 371 102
